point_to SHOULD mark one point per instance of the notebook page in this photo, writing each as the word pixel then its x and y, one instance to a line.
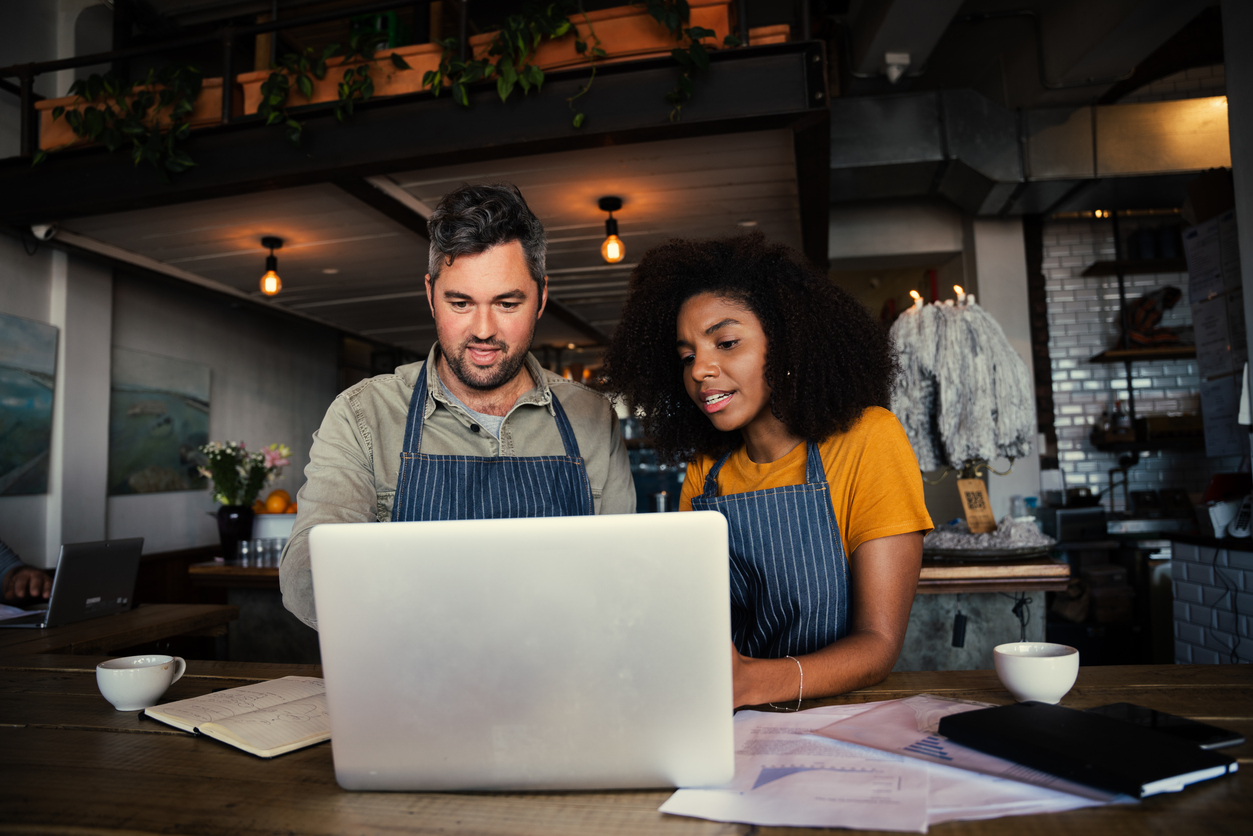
pixel 236 701
pixel 285 725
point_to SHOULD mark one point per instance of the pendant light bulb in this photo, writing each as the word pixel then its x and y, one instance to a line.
pixel 271 284
pixel 612 250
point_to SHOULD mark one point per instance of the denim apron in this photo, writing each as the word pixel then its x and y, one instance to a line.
pixel 789 576
pixel 479 488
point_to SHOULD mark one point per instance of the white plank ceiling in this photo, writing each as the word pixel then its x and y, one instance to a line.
pixel 346 264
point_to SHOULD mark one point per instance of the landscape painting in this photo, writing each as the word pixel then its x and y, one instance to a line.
pixel 28 364
pixel 158 418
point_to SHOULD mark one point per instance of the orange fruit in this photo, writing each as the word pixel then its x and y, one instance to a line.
pixel 258 507
pixel 276 503
pixel 291 509
pixel 280 492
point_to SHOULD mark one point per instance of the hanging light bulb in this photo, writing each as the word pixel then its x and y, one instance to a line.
pixel 271 284
pixel 612 250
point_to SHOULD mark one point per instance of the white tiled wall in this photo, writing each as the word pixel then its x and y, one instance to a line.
pixel 1083 321
pixel 1213 604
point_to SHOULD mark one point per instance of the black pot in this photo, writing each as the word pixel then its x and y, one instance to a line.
pixel 234 524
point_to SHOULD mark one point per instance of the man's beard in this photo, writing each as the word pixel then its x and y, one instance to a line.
pixel 493 377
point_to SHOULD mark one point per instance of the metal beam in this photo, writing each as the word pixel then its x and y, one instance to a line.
pixel 745 90
pixel 386 202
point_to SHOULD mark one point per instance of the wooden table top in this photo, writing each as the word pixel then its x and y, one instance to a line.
pixel 73 764
pixel 1035 575
pixel 146 623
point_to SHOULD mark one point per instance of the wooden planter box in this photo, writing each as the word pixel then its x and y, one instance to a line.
pixel 57 134
pixel 388 79
pixel 626 33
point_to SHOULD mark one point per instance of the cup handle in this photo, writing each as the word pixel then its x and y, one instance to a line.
pixel 180 668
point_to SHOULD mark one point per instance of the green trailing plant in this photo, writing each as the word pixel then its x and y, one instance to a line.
pixel 592 53
pixel 299 70
pixel 150 115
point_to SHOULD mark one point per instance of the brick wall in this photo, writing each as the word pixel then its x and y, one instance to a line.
pixel 1083 321
pixel 1213 604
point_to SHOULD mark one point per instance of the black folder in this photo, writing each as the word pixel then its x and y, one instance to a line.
pixel 1086 748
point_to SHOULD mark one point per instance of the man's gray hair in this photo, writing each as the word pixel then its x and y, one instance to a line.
pixel 474 218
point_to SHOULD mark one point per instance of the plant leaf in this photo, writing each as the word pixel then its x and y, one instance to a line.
pixel 579 119
pixel 306 86
pixel 400 63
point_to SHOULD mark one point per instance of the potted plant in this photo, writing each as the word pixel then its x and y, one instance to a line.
pixel 238 477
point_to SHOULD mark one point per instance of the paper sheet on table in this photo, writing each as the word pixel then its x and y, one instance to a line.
pixel 805 793
pixel 785 775
pixel 909 727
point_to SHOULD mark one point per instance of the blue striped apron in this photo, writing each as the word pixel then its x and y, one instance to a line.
pixel 789 576
pixel 434 487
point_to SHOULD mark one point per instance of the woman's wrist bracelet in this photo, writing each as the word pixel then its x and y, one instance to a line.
pixel 800 694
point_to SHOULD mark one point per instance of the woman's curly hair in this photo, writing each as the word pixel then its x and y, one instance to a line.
pixel 840 360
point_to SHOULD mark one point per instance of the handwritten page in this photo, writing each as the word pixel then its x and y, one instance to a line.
pixel 247 698
pixel 266 719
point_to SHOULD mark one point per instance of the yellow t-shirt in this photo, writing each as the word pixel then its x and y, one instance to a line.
pixel 876 487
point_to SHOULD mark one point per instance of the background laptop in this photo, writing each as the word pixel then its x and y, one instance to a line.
pixel 92 580
pixel 550 653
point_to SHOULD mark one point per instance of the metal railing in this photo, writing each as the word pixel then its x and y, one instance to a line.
pixel 229 35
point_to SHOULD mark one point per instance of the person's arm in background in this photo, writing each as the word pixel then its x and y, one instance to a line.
pixel 339 488
pixel 618 495
pixel 17 580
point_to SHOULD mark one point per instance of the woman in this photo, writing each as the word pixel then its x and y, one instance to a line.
pixel 775 382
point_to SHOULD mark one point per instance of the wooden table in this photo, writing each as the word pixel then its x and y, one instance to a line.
pixel 72 764
pixel 147 623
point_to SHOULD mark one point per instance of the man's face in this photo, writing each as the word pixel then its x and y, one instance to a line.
pixel 485 308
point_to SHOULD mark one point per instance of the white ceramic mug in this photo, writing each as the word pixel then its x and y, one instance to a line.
pixel 135 682
pixel 1040 671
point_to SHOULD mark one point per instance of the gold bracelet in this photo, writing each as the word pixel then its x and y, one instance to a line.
pixel 800 695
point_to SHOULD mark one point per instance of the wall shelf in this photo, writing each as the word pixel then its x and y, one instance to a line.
pixel 1144 355
pixel 1137 267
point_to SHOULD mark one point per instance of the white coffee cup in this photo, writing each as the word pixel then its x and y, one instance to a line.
pixel 1040 671
pixel 135 682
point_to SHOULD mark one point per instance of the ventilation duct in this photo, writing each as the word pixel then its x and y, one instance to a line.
pixel 961 146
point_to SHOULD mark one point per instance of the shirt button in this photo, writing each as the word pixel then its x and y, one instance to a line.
pixel 474 428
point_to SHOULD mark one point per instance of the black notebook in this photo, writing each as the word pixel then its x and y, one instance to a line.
pixel 1087 748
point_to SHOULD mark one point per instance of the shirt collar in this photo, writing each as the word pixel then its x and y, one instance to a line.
pixel 540 395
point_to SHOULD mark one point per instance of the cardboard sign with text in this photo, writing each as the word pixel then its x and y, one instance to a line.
pixel 975 502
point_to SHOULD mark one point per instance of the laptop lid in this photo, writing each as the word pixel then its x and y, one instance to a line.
pixel 92 580
pixel 542 653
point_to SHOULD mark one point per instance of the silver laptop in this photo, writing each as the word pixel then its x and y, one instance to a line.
pixel 551 653
pixel 92 580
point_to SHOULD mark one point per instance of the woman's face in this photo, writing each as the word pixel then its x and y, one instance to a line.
pixel 722 347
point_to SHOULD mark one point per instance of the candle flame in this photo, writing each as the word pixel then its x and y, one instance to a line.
pixel 915 294
pixel 957 289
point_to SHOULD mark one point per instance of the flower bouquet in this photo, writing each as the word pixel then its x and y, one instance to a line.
pixel 238 477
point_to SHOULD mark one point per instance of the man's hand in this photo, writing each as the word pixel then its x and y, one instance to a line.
pixel 27 582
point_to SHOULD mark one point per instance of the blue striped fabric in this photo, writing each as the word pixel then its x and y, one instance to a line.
pixel 789 575
pixel 478 488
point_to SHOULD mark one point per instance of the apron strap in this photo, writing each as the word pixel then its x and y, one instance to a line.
pixel 711 478
pixel 417 408
pixel 814 474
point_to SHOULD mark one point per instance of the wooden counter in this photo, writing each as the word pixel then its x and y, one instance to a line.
pixel 938 577
pixel 73 764
pixel 146 623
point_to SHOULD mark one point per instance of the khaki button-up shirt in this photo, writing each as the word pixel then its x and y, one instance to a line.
pixel 354 463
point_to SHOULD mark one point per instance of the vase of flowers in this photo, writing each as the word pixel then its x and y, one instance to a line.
pixel 238 477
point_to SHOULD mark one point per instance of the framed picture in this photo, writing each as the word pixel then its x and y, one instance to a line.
pixel 28 365
pixel 158 418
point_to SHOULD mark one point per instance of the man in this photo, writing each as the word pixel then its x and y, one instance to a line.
pixel 498 436
pixel 17 580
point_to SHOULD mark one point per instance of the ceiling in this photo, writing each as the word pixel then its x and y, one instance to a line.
pixel 347 265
